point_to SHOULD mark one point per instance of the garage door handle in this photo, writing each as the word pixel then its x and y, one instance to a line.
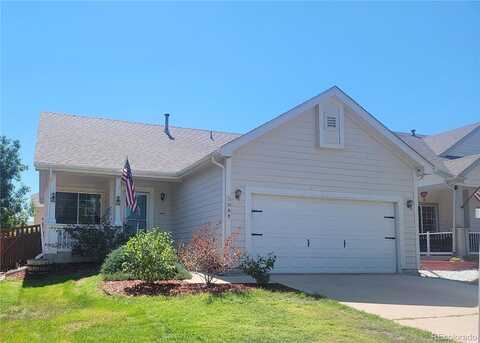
pixel 257 234
pixel 389 237
pixel 257 211
pixel 389 217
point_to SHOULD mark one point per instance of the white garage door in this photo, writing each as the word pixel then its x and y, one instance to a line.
pixel 324 236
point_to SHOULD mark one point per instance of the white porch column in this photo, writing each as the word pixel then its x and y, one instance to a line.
pixel 117 218
pixel 52 195
pixel 459 211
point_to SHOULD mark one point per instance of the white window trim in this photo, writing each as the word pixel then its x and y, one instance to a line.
pixel 78 192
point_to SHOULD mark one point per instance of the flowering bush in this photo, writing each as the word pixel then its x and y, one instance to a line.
pixel 204 254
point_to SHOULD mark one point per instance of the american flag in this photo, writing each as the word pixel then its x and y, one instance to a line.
pixel 477 194
pixel 127 177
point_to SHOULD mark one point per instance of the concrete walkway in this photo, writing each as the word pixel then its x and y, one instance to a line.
pixel 443 307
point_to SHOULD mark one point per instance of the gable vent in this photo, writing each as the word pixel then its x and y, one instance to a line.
pixel 331 122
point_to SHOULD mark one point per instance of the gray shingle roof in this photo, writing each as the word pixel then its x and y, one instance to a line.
pixel 86 142
pixel 451 166
pixel 458 165
pixel 418 143
pixel 441 142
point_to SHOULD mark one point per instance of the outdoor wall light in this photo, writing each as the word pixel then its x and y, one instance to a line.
pixel 163 196
pixel 117 200
pixel 409 203
pixel 52 197
pixel 238 193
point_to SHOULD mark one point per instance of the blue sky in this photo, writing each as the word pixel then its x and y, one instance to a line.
pixel 232 66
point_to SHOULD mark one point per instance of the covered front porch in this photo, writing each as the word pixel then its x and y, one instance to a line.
pixel 449 219
pixel 89 200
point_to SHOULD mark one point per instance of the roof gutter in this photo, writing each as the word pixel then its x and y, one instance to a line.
pixel 103 171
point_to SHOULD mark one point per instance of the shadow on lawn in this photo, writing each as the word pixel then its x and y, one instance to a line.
pixel 60 274
pixel 271 287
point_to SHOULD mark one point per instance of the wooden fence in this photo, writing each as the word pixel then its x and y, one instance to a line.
pixel 17 245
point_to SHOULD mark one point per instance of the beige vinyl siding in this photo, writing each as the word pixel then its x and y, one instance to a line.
pixel 287 158
pixel 468 146
pixel 473 177
pixel 198 201
pixel 162 210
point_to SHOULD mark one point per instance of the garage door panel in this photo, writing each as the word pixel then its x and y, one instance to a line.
pixel 319 235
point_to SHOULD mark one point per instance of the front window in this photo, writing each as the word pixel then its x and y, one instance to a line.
pixel 428 218
pixel 77 208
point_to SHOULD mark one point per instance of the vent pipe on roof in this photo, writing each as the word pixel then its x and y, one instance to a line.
pixel 414 133
pixel 167 128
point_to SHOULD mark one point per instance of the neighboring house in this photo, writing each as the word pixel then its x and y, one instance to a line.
pixel 448 207
pixel 325 186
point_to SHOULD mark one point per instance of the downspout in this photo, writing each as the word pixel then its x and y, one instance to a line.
pixel 417 218
pixel 224 217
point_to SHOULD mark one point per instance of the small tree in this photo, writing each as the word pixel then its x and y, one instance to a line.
pixel 14 207
pixel 204 255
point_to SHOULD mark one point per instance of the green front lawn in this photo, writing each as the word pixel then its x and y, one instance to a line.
pixel 74 309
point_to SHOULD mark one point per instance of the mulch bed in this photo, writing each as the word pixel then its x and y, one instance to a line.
pixel 173 288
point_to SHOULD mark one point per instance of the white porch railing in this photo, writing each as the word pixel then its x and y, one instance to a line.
pixel 436 243
pixel 473 243
pixel 57 240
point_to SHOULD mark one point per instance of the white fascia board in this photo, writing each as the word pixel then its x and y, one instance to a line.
pixel 102 171
pixel 413 155
pixel 417 159
pixel 228 149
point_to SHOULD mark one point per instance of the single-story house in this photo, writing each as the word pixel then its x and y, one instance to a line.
pixel 449 198
pixel 325 185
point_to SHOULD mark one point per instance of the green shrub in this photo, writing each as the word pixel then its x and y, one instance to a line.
pixel 259 267
pixel 119 276
pixel 150 256
pixel 114 261
pixel 181 272
pixel 95 241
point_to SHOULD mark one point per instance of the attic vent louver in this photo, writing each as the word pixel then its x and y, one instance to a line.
pixel 331 122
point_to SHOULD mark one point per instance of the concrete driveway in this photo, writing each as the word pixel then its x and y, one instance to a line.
pixel 442 307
